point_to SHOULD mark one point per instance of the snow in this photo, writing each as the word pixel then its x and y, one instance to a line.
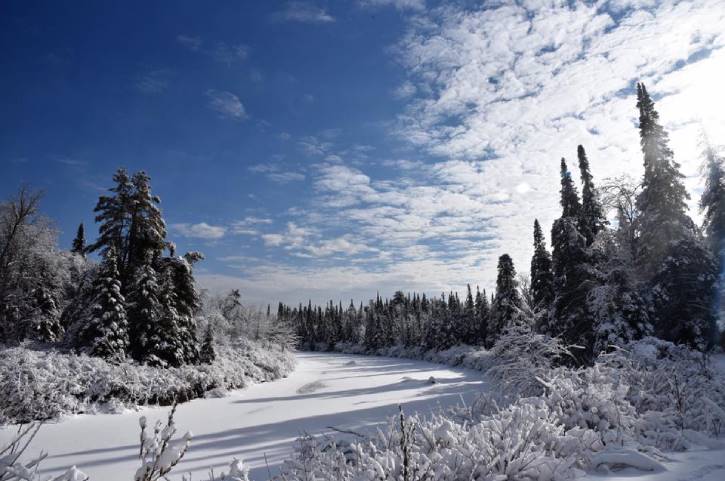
pixel 352 393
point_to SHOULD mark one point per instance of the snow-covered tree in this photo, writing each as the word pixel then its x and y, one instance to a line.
pixel 144 312
pixel 507 300
pixel 712 205
pixel 105 330
pixel 592 219
pixel 662 202
pixel 683 295
pixel 569 317
pixel 542 279
pixel 620 314
pixel 207 353
pixel 79 242
pixel 483 314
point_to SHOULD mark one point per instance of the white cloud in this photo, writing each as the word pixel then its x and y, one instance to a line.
pixel 226 104
pixel 398 4
pixel 153 82
pixel 202 230
pixel 501 93
pixel 191 42
pixel 303 12
pixel 275 173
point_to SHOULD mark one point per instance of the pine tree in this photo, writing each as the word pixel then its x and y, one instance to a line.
pixel 147 232
pixel 592 219
pixel 131 223
pixel 114 214
pixel 507 301
pixel 663 219
pixel 207 354
pixel 105 331
pixel 542 279
pixel 79 243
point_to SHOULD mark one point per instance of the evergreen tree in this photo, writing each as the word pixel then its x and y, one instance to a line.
pixel 507 301
pixel 542 279
pixel 105 331
pixel 144 314
pixel 573 274
pixel 570 205
pixel 207 354
pixel 483 313
pixel 79 243
pixel 592 219
pixel 620 314
pixel 114 214
pixel 712 204
pixel 131 223
pixel 147 231
pixel 663 219
pixel 683 296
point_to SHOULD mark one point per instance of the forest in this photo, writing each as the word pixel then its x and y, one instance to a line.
pixel 650 272
pixel 601 355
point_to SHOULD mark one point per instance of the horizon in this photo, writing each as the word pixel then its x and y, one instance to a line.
pixel 320 150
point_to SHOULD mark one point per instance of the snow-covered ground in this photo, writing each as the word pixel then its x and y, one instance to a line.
pixel 326 390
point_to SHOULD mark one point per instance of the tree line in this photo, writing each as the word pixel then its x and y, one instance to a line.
pixel 652 271
pixel 139 301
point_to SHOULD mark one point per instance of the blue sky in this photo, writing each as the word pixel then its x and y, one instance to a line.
pixel 318 149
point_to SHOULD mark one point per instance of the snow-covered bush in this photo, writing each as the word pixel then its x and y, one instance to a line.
pixel 37 385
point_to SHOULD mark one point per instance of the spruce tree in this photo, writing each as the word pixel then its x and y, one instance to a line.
pixel 683 295
pixel 679 270
pixel 507 302
pixel 542 279
pixel 712 205
pixel 483 314
pixel 569 317
pixel 663 219
pixel 570 205
pixel 207 355
pixel 105 330
pixel 592 219
pixel 79 243
pixel 144 312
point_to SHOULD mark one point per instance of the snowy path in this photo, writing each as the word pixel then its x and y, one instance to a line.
pixel 344 391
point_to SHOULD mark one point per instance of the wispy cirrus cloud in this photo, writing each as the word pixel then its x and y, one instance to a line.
pixel 221 52
pixel 495 95
pixel 302 12
pixel 226 104
pixel 153 82
pixel 415 5
pixel 201 230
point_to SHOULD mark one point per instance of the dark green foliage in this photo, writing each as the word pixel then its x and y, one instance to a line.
pixel 571 207
pixel 79 243
pixel 506 304
pixel 592 219
pixel 105 330
pixel 683 295
pixel 663 218
pixel 542 278
pixel 207 354
pixel 144 312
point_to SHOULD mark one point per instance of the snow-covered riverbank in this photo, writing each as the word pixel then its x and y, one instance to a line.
pixel 326 390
